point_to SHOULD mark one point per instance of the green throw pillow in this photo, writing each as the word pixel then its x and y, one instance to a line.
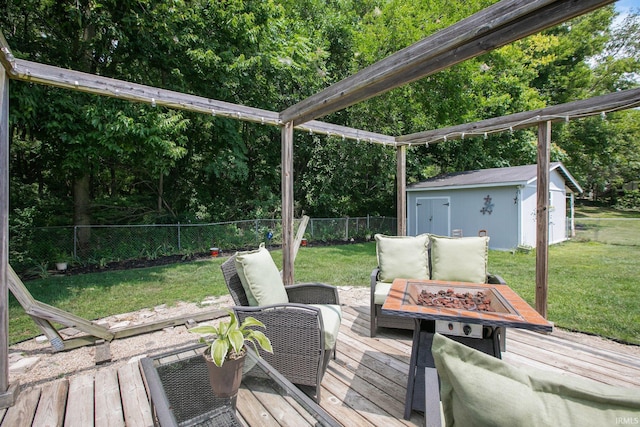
pixel 461 259
pixel 402 257
pixel 260 277
pixel 480 390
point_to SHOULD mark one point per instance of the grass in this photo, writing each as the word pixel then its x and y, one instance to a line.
pixel 97 295
pixel 593 286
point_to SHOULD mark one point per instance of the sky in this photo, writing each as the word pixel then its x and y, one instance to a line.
pixel 623 6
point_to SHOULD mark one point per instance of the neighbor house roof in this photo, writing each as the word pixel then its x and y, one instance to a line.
pixel 515 175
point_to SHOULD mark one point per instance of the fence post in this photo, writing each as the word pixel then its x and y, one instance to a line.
pixel 257 222
pixel 75 242
pixel 346 228
pixel 179 243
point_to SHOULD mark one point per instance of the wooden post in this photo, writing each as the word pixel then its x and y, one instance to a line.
pixel 542 218
pixel 287 204
pixel 401 196
pixel 7 394
pixel 4 229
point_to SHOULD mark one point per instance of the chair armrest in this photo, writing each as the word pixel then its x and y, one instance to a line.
pixel 263 310
pixel 307 336
pixel 374 277
pixel 313 293
pixel 432 413
pixel 495 279
pixel 374 281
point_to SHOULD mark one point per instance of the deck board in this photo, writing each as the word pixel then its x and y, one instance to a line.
pixel 81 392
pixel 135 403
pixel 53 400
pixel 108 406
pixel 364 386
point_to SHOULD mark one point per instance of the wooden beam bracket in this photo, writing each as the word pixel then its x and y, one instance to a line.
pixel 9 397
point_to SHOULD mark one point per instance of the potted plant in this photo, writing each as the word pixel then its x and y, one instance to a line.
pixel 62 260
pixel 226 351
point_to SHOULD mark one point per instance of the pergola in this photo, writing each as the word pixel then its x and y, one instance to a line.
pixel 493 27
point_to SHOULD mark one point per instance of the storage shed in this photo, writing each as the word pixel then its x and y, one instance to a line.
pixel 500 203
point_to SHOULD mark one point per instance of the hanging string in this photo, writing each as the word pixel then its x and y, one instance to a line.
pixel 534 119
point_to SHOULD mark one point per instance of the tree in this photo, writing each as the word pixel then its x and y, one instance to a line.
pixel 122 162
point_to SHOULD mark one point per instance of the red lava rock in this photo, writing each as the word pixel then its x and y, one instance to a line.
pixel 450 299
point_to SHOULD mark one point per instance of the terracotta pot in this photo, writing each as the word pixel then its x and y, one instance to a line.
pixel 225 380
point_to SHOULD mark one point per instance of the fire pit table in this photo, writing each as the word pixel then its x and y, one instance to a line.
pixel 474 314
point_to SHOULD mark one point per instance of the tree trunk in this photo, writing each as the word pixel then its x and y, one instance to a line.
pixel 160 191
pixel 81 210
pixel 81 184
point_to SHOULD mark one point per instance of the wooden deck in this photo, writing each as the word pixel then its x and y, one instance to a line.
pixel 365 386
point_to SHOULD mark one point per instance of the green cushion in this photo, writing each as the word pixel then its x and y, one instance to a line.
pixel 382 290
pixel 260 277
pixel 402 257
pixel 481 390
pixel 331 318
pixel 461 259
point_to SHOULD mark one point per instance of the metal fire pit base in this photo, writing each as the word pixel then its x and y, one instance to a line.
pixel 421 358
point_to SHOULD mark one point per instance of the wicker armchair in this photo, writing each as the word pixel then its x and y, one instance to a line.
pixel 295 329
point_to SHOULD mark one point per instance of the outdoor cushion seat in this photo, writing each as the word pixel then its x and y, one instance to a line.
pixel 381 291
pixel 302 321
pixel 477 389
pixel 425 256
pixel 331 318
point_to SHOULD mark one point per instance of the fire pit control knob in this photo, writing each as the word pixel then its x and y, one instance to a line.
pixel 466 329
pixel 450 326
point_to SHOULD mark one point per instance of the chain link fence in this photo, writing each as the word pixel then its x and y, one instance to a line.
pixel 613 231
pixel 101 244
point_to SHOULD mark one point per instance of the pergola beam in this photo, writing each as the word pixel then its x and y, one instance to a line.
pixel 495 26
pixel 587 107
pixel 34 72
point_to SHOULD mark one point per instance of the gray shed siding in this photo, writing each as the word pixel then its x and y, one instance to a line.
pixel 466 213
pixel 512 220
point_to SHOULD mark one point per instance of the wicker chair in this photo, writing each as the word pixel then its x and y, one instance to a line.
pixel 295 329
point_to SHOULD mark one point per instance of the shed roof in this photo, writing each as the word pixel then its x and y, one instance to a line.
pixel 515 175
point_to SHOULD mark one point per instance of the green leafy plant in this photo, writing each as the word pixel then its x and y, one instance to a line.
pixel 62 256
pixel 227 340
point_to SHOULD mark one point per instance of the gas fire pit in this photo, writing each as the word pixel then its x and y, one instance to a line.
pixel 475 314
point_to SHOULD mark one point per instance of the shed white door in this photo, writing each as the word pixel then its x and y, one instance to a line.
pixel 432 215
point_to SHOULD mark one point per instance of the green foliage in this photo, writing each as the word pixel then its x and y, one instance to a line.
pixel 228 338
pixel 81 159
pixel 629 200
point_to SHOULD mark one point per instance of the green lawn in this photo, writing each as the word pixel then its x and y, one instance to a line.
pixel 593 287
